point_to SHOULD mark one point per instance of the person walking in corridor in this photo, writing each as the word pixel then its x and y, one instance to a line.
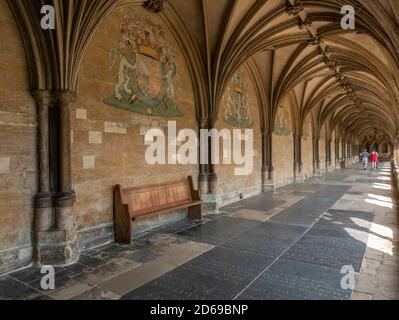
pixel 374 160
pixel 365 159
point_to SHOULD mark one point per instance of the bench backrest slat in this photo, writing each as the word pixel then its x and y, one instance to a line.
pixel 148 199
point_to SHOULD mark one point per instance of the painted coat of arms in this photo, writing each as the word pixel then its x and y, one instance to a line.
pixel 281 125
pixel 307 130
pixel 238 112
pixel 144 68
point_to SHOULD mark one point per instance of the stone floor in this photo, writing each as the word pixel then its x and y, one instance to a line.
pixel 289 245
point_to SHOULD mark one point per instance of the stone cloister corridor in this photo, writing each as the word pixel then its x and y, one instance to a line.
pixel 287 245
pixel 199 150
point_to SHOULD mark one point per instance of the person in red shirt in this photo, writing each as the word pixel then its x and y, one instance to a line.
pixel 374 160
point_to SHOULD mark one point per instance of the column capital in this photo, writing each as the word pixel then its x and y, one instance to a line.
pixel 64 97
pixel 43 98
pixel 267 132
pixel 204 123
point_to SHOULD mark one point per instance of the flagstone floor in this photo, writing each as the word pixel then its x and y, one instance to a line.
pixel 306 241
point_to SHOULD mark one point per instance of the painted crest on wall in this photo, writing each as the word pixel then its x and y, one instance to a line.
pixel 144 68
pixel 281 127
pixel 237 105
pixel 307 130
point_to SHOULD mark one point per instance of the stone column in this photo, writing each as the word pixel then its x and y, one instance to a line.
pixel 337 154
pixel 349 153
pixel 55 238
pixel 207 179
pixel 44 215
pixel 328 154
pixel 316 157
pixel 344 150
pixel 65 198
pixel 203 167
pixel 267 161
pixel 396 149
pixel 298 164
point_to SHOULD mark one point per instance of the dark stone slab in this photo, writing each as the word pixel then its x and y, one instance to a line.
pixel 31 274
pixel 11 289
pixel 61 280
pixel 186 285
pixel 219 274
pixel 354 193
pixel 269 239
pixel 261 203
pixel 308 187
pixel 218 231
pixel 346 232
pixel 176 227
pixel 76 269
pixel 299 216
pixel 91 261
pixel 293 280
pixel 111 255
pixel 142 256
pixel 231 264
pixel 360 218
pixel 328 251
pixel 116 248
pixel 307 211
pixel 298 193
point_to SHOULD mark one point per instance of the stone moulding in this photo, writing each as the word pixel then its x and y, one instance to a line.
pixel 15 258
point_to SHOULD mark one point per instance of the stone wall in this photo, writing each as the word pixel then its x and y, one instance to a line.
pixel 108 142
pixel 232 187
pixel 18 128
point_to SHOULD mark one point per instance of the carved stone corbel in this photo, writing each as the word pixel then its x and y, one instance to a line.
pixel 294 7
pixel 315 40
pixel 155 6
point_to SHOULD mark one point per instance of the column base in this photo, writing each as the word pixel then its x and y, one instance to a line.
pixel 52 248
pixel 269 187
pixel 210 203
pixel 300 178
pixel 55 233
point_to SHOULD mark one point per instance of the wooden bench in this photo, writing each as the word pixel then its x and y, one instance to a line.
pixel 134 204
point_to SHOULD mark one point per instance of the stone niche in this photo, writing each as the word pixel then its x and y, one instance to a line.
pixel 18 164
pixel 133 78
pixel 239 110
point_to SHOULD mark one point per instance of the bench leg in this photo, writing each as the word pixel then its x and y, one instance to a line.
pixel 195 213
pixel 132 227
